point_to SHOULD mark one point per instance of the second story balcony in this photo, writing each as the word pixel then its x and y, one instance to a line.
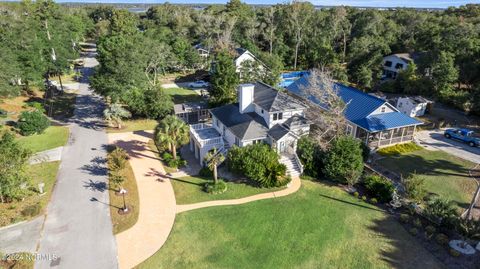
pixel 205 135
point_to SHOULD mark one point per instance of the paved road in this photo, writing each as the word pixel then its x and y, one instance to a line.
pixel 21 237
pixel 78 229
pixel 436 140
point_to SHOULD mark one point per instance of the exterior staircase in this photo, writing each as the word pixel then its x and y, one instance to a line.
pixel 291 161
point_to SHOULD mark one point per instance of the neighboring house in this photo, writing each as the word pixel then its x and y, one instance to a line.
pixel 203 51
pixel 370 119
pixel 242 57
pixel 414 106
pixel 192 113
pixel 262 115
pixel 393 64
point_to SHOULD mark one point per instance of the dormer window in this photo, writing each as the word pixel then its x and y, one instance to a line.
pixel 277 116
pixel 388 63
pixel 383 109
pixel 399 66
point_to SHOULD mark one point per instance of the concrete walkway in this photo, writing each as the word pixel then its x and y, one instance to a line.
pixel 292 187
pixel 157 201
pixel 50 155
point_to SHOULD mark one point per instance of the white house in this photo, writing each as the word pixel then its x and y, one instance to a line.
pixel 262 115
pixel 393 64
pixel 415 106
pixel 242 56
pixel 202 50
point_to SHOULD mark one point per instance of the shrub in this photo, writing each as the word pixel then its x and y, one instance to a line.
pixel 415 187
pixel 3 113
pixel 259 163
pixel 413 231
pixel 441 239
pixel 417 223
pixel 379 187
pixel 399 149
pixel 373 200
pixel 310 155
pixel 205 172
pixel 430 230
pixel 442 211
pixel 213 188
pixel 36 106
pixel 453 252
pixel 356 194
pixel 31 210
pixel 344 162
pixel 404 218
pixel 364 198
pixel 167 156
pixel 32 122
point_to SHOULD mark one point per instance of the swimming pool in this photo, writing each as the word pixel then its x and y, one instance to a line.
pixel 290 77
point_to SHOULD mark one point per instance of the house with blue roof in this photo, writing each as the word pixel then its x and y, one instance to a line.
pixel 370 119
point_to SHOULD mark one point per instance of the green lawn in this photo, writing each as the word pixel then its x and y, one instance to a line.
pixel 445 174
pixel 182 95
pixel 124 222
pixel 189 190
pixel 54 136
pixel 44 172
pixel 317 227
pixel 134 125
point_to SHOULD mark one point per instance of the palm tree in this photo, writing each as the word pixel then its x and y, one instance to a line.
pixel 213 159
pixel 115 113
pixel 172 131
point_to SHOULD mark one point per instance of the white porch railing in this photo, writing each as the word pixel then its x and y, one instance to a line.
pixel 208 141
pixel 299 163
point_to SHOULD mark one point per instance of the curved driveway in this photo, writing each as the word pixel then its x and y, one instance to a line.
pixel 78 230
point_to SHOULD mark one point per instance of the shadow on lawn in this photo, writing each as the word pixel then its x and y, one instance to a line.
pixel 405 251
pixel 409 164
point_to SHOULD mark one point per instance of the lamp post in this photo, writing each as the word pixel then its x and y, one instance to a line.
pixel 123 192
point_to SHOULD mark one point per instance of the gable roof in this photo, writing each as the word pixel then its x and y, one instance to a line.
pixel 271 99
pixel 245 126
pixel 277 132
pixel 360 106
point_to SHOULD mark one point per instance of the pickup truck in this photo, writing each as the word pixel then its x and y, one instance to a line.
pixel 464 135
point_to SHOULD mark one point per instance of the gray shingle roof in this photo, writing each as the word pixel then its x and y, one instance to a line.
pixel 270 99
pixel 296 121
pixel 244 126
pixel 277 132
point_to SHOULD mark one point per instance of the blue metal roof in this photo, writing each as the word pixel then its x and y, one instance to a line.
pixel 386 121
pixel 359 106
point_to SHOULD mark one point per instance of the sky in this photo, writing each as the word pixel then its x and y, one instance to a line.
pixel 363 3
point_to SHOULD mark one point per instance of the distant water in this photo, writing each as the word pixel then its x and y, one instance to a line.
pixel 137 9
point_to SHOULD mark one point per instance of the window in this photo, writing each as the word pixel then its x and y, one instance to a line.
pixel 383 109
pixel 237 141
pixel 349 130
pixel 277 116
pixel 400 104
pixel 262 111
pixel 388 63
pixel 257 141
pixel 399 66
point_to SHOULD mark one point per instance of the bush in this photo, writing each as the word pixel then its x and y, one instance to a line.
pixel 442 211
pixel 441 239
pixel 364 198
pixel 344 162
pixel 32 122
pixel 373 200
pixel 213 188
pixel 259 163
pixel 415 188
pixel 205 172
pixel 379 187
pixel 399 149
pixel 356 194
pixel 417 223
pixel 31 210
pixel 310 155
pixel 413 231
pixel 404 218
pixel 430 230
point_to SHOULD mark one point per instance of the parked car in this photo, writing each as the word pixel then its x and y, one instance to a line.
pixel 464 135
pixel 198 84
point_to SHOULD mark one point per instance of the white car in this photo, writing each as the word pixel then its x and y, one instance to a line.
pixel 198 84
